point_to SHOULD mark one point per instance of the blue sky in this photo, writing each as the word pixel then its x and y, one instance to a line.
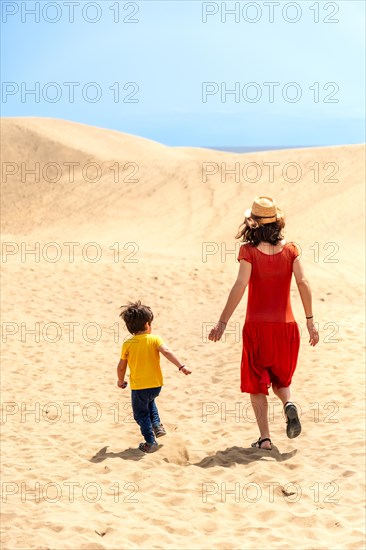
pixel 168 54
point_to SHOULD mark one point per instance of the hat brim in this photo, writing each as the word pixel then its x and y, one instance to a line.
pixel 248 214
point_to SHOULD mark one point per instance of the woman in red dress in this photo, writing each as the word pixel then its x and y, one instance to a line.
pixel 271 336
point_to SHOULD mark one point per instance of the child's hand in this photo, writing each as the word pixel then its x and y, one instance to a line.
pixel 122 385
pixel 185 371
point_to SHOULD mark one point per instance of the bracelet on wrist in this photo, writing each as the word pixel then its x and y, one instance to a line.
pixel 311 317
pixel 181 367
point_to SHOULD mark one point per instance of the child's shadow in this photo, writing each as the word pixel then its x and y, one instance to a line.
pixel 127 454
pixel 239 455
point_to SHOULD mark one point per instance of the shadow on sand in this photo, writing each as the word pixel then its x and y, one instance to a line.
pixel 232 455
pixel 127 454
pixel 240 455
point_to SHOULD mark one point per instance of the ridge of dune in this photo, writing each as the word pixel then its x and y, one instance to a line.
pixel 88 140
pixel 198 150
pixel 189 190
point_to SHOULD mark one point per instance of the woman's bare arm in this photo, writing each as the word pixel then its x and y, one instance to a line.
pixel 236 294
pixel 303 287
pixel 306 298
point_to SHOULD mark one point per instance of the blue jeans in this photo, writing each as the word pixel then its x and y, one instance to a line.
pixel 145 411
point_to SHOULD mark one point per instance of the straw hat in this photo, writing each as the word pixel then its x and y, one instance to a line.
pixel 264 208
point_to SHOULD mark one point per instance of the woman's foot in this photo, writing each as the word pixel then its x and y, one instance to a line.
pixel 148 447
pixel 263 443
pixel 159 430
pixel 293 427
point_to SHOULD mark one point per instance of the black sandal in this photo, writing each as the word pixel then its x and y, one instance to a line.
pixel 258 444
pixel 293 427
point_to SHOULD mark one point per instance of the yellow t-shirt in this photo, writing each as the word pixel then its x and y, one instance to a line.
pixel 143 359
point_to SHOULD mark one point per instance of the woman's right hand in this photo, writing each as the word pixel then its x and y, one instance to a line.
pixel 217 331
pixel 313 332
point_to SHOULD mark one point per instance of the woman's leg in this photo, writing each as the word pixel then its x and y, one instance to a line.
pixel 293 424
pixel 282 393
pixel 260 407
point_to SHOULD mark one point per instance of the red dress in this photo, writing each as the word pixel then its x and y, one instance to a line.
pixel 271 336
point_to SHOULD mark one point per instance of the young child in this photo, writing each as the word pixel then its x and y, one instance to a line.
pixel 141 354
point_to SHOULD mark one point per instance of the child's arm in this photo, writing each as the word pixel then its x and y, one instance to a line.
pixel 167 352
pixel 121 371
pixel 236 294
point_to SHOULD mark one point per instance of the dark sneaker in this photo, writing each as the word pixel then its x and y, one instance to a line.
pixel 159 430
pixel 148 447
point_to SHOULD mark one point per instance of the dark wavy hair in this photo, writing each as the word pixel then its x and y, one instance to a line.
pixel 253 232
pixel 136 315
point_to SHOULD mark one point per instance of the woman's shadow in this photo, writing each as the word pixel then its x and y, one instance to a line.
pixel 240 455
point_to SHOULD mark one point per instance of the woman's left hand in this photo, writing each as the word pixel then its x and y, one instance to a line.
pixel 313 332
pixel 217 331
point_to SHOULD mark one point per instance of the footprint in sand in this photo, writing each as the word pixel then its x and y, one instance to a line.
pixel 174 450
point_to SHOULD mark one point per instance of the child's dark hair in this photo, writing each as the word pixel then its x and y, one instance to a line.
pixel 253 232
pixel 136 315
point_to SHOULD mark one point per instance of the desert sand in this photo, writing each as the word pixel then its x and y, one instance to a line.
pixel 162 230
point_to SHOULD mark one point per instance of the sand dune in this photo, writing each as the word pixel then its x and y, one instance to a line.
pixel 163 231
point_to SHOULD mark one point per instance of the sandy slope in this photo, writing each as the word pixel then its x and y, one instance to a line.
pixel 205 488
